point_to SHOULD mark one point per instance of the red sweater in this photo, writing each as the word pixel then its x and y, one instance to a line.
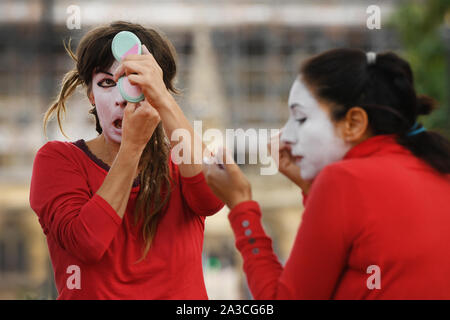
pixel 83 230
pixel 379 206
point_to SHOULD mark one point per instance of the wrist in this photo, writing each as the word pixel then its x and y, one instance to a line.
pixel 164 101
pixel 247 196
pixel 131 150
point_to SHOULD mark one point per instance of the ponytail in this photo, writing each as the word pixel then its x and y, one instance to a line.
pixel 431 147
pixel 69 83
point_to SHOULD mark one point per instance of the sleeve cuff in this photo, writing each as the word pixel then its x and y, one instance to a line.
pixel 244 207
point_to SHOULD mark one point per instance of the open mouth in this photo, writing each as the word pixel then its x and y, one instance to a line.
pixel 118 123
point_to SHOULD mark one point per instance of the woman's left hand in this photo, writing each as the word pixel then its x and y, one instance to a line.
pixel 143 70
pixel 226 180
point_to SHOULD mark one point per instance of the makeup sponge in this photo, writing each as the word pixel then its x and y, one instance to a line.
pixel 123 44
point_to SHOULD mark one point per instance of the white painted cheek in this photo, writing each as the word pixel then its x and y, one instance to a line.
pixel 308 146
pixel 105 104
pixel 323 148
pixel 315 140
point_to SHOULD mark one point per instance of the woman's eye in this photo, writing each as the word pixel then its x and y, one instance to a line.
pixel 301 121
pixel 106 83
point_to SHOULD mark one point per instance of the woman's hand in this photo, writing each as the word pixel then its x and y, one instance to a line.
pixel 138 124
pixel 286 163
pixel 143 70
pixel 226 180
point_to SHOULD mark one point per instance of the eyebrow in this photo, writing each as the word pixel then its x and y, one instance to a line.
pixel 102 71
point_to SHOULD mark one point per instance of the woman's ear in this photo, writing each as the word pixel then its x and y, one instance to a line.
pixel 91 97
pixel 355 125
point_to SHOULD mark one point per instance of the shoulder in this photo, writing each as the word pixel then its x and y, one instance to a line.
pixel 58 150
pixel 341 171
pixel 342 177
pixel 360 169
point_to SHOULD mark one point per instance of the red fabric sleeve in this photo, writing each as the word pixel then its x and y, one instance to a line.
pixel 261 266
pixel 319 253
pixel 81 223
pixel 199 196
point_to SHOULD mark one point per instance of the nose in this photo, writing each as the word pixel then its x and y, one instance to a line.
pixel 119 100
pixel 288 134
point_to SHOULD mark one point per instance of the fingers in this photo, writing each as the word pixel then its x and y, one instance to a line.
pixel 143 105
pixel 129 109
pixel 218 159
pixel 145 50
pixel 136 79
pixel 285 147
pixel 146 107
pixel 282 146
pixel 143 56
pixel 147 54
pixel 138 57
pixel 119 71
pixel 210 169
pixel 225 160
pixel 271 142
pixel 127 67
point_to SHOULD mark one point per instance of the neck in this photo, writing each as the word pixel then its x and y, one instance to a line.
pixel 109 149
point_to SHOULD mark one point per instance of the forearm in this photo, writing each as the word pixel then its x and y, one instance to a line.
pixel 117 185
pixel 261 266
pixel 173 118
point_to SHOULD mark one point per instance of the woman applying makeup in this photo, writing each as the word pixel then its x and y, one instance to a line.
pixel 117 207
pixel 376 223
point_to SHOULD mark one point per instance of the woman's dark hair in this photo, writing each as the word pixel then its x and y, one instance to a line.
pixel 94 54
pixel 385 90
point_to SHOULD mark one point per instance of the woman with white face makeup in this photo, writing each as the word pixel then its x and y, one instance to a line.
pixel 117 207
pixel 376 188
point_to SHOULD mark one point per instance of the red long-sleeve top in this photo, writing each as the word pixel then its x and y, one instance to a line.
pixel 84 231
pixel 380 206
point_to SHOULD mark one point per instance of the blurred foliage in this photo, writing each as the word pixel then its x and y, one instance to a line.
pixel 421 26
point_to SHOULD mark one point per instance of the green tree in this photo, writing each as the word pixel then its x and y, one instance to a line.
pixel 423 27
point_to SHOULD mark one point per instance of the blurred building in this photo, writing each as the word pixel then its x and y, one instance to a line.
pixel 237 61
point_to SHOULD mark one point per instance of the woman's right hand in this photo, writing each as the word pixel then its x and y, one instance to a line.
pixel 286 163
pixel 138 124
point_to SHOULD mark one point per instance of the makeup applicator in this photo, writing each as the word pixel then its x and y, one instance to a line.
pixel 123 44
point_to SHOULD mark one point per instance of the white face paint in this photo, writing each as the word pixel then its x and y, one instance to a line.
pixel 109 103
pixel 311 133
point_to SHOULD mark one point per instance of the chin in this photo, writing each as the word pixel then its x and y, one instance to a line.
pixel 308 172
pixel 114 139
